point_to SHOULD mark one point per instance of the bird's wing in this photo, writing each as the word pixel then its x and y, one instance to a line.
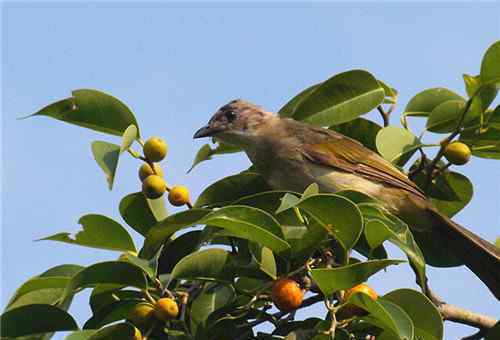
pixel 345 154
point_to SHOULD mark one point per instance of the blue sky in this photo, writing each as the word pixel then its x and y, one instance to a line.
pixel 174 65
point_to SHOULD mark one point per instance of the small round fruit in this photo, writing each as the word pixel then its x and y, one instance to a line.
pixel 178 195
pixel 457 153
pixel 137 334
pixel 286 294
pixel 361 288
pixel 141 314
pixel 153 186
pixel 352 310
pixel 155 149
pixel 145 171
pixel 166 309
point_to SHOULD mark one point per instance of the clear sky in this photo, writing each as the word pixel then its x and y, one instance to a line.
pixel 175 64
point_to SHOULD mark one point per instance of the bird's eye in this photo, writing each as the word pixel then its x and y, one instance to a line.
pixel 230 115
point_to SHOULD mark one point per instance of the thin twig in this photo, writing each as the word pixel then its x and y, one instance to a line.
pixel 385 115
pixel 307 302
pixel 437 158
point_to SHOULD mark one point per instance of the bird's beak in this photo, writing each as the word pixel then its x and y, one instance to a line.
pixel 207 131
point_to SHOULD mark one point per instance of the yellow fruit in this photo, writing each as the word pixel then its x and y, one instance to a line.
pixel 352 310
pixel 166 309
pixel 141 314
pixel 137 334
pixel 457 153
pixel 178 195
pixel 145 170
pixel 286 294
pixel 155 149
pixel 153 186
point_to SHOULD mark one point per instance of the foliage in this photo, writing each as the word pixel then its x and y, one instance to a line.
pixel 219 257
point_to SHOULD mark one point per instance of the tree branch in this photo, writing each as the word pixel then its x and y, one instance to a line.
pixel 460 315
pixel 385 115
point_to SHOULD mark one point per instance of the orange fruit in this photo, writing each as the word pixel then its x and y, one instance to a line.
pixel 351 310
pixel 286 294
pixel 166 309
pixel 178 195
pixel 155 149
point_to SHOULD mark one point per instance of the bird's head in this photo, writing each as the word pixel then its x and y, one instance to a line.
pixel 237 123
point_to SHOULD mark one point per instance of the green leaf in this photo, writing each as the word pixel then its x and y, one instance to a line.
pixel 445 117
pixel 141 213
pixel 391 95
pixel 386 315
pixel 340 99
pixel 128 137
pixel 396 144
pixel 148 266
pixel 400 234
pixel 92 109
pixel 490 65
pixel 98 232
pixel 173 251
pixel 47 290
pixel 288 110
pixel 64 270
pixel 331 280
pixel 107 156
pixel 208 264
pixel 484 98
pixel 450 192
pixel 339 216
pixel 164 229
pixel 115 272
pixel 230 189
pixel 264 258
pixel 249 223
pixel 34 319
pixel 485 143
pixel 214 296
pixel 288 201
pixel 270 201
pixel 117 310
pixel 363 130
pixel 304 240
pixel 105 294
pixel 426 318
pixel 423 103
pixel 80 335
pixel 115 332
pixel 205 153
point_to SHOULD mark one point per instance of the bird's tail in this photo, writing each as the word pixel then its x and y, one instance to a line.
pixel 479 255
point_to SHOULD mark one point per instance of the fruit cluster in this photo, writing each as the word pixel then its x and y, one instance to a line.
pixel 152 176
pixel 143 314
pixel 287 296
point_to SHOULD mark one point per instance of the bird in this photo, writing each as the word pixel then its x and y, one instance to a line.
pixel 290 155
